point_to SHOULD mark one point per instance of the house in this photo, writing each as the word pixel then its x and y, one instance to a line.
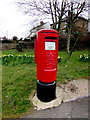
pixel 89 26
pixel 89 21
pixel 81 24
pixel 39 27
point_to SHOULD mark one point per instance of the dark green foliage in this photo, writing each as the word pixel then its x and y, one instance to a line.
pixel 17 60
pixel 19 46
pixel 59 59
pixel 5 41
pixel 85 58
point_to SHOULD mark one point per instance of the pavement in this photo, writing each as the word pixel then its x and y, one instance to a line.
pixel 72 102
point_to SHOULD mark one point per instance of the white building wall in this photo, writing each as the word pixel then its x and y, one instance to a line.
pixel 45 26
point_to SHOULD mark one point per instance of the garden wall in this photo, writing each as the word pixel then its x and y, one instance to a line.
pixel 4 46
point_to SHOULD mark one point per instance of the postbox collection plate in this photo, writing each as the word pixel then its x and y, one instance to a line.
pixel 50 45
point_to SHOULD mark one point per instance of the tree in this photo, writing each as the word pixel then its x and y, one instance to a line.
pixel 75 9
pixel 45 9
pixel 56 10
pixel 14 38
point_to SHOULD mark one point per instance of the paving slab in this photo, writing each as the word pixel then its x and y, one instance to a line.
pixel 75 89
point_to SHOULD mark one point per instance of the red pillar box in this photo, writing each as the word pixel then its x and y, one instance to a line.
pixel 46 57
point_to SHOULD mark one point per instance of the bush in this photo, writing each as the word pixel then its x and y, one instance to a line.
pixel 19 47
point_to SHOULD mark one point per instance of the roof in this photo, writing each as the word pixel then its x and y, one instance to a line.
pixel 41 24
pixel 80 17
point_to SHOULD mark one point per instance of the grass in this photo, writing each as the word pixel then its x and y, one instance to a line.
pixel 72 68
pixel 19 81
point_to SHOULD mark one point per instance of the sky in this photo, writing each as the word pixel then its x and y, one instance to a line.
pixel 13 22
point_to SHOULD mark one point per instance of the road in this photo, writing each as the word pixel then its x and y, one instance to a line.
pixel 75 109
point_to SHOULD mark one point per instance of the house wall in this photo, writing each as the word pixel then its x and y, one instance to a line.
pixel 82 24
pixel 39 27
pixel 63 25
pixel 89 26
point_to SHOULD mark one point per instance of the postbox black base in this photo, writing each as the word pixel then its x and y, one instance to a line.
pixel 46 92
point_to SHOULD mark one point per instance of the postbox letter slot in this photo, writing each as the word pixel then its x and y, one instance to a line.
pixel 50 37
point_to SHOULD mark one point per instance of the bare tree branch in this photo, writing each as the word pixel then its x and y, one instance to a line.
pixel 74 11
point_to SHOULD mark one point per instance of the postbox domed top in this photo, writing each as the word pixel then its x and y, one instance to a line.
pixel 47 31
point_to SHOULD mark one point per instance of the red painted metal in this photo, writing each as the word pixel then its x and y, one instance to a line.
pixel 46 55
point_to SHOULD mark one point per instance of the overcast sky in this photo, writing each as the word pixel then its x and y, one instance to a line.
pixel 12 21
